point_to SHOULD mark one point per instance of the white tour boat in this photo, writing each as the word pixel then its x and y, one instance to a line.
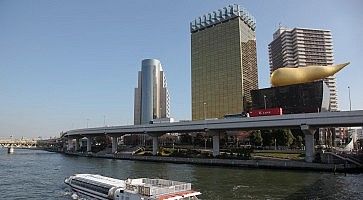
pixel 101 187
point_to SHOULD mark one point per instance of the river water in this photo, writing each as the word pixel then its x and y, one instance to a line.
pixel 35 174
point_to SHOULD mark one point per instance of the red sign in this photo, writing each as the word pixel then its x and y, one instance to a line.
pixel 266 112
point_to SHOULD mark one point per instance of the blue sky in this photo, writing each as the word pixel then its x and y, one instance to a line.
pixel 63 62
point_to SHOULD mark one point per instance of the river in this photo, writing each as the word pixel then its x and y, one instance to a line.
pixel 35 174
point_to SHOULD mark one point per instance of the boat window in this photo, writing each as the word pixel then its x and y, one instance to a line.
pixel 100 189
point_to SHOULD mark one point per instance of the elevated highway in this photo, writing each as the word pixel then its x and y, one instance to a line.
pixel 307 122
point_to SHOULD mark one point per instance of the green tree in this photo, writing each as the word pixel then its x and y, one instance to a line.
pixel 267 137
pixel 223 137
pixel 283 137
pixel 186 139
pixel 298 138
pixel 256 138
pixel 202 140
pixel 288 137
pixel 298 141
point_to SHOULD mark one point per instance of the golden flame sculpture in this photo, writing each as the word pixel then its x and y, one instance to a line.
pixel 292 75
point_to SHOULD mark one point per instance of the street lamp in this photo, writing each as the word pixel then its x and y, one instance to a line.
pixel 264 100
pixel 104 120
pixel 350 104
pixel 87 122
pixel 350 101
pixel 204 103
pixel 275 144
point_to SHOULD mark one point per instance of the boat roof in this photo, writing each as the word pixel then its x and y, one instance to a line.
pixel 100 180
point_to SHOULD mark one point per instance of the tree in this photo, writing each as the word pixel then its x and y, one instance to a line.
pixel 223 139
pixel 298 138
pixel 185 139
pixel 298 141
pixel 267 137
pixel 289 138
pixel 283 137
pixel 202 140
pixel 256 138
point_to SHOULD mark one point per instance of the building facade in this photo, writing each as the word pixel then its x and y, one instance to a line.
pixel 152 99
pixel 301 47
pixel 224 62
pixel 298 98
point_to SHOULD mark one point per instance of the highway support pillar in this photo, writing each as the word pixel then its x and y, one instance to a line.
pixel 216 144
pixel 155 137
pixel 114 144
pixel 215 136
pixel 89 139
pixel 155 145
pixel 309 142
pixel 69 146
pixel 76 146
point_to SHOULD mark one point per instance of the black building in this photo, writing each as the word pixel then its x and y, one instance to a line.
pixel 299 98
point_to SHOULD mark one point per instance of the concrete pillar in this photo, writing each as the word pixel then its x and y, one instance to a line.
pixel 69 146
pixel 89 139
pixel 155 145
pixel 76 146
pixel 216 144
pixel 114 144
pixel 309 143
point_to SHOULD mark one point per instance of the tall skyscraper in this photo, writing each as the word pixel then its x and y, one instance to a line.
pixel 300 47
pixel 151 96
pixel 224 62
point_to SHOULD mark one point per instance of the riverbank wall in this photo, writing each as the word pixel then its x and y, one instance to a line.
pixel 257 163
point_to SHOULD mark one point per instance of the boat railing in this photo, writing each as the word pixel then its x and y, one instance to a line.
pixel 172 189
pixel 154 190
pixel 160 182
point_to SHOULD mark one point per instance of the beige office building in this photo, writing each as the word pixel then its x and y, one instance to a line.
pixel 224 63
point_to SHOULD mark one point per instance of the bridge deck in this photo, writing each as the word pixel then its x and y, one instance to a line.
pixel 316 120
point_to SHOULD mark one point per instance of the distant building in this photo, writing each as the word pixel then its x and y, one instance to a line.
pixel 301 47
pixel 152 99
pixel 162 120
pixel 224 62
pixel 354 139
pixel 360 138
pixel 341 136
pixel 360 134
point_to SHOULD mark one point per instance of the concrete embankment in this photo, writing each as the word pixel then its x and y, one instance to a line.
pixel 263 163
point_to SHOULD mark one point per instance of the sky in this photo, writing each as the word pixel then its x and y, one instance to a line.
pixel 64 64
